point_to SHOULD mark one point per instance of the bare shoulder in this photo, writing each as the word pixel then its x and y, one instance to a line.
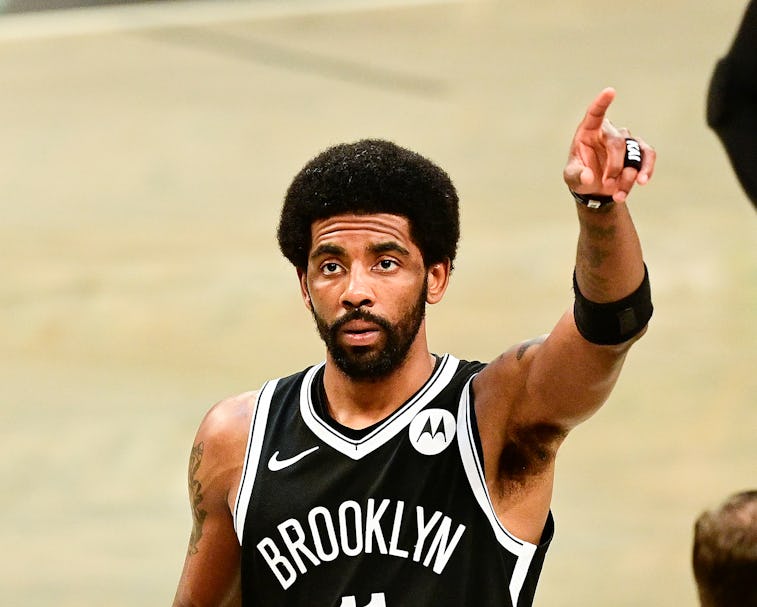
pixel 219 447
pixel 503 382
pixel 228 420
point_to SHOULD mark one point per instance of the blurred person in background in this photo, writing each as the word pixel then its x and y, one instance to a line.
pixel 388 476
pixel 725 553
pixel 732 102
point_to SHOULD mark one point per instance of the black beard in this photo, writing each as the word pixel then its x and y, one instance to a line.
pixel 363 363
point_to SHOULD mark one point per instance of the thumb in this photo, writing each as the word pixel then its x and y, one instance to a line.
pixel 577 174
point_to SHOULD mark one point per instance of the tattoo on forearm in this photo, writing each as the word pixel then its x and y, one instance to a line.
pixel 600 232
pixel 592 243
pixel 596 255
pixel 195 497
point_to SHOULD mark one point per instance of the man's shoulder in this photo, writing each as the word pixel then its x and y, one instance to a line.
pixel 463 369
pixel 229 418
pixel 469 366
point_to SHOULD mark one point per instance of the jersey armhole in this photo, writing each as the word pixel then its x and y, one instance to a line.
pixel 528 555
pixel 252 456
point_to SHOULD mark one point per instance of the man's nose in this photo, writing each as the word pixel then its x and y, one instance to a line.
pixel 358 291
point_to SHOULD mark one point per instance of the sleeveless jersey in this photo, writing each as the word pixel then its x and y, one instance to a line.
pixel 399 517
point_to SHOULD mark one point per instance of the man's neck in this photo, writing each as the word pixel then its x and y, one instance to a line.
pixel 359 404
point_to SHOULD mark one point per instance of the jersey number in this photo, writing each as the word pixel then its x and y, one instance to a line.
pixel 377 600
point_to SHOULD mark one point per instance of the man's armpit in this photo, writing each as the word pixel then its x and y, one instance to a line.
pixel 528 452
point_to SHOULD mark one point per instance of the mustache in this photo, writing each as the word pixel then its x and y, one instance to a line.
pixel 358 314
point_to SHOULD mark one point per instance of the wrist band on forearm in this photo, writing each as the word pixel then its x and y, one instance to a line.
pixel 614 322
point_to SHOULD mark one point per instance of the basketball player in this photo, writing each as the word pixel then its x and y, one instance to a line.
pixel 388 476
pixel 725 553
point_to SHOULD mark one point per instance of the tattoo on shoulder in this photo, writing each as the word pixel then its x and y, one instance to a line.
pixel 527 344
pixel 195 497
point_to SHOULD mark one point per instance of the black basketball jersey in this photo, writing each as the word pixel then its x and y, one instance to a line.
pixel 398 516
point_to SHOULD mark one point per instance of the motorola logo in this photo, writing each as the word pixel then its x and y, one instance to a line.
pixel 432 431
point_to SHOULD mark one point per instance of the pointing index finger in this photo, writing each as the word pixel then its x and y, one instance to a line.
pixel 595 115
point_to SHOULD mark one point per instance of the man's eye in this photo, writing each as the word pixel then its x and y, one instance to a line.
pixel 330 268
pixel 387 264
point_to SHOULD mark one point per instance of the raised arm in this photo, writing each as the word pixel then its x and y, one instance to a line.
pixel 531 396
pixel 609 262
pixel 212 565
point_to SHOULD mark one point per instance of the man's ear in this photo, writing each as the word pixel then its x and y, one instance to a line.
pixel 302 276
pixel 437 276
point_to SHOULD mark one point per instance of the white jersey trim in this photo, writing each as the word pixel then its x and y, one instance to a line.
pixel 524 551
pixel 252 455
pixel 385 431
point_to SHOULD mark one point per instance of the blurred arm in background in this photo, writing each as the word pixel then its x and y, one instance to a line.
pixel 732 102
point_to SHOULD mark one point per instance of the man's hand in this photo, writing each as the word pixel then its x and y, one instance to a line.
pixel 595 160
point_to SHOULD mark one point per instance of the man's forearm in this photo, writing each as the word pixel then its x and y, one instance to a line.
pixel 609 262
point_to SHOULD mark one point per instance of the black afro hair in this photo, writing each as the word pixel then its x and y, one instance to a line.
pixel 372 176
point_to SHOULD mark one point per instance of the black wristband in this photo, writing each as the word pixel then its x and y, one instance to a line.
pixel 593 201
pixel 615 322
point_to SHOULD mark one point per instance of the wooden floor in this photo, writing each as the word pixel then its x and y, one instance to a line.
pixel 143 159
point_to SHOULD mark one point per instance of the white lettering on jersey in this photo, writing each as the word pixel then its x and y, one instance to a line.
pixel 393 549
pixel 345 525
pixel 276 562
pixel 328 524
pixel 423 530
pixel 353 530
pixel 373 526
pixel 295 542
pixel 443 545
pixel 377 600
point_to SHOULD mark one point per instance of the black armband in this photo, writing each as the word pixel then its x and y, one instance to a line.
pixel 615 322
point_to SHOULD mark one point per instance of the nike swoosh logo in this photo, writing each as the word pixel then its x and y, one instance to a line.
pixel 275 464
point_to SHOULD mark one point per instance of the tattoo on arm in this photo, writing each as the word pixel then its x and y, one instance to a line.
pixel 527 344
pixel 600 232
pixel 595 256
pixel 594 247
pixel 195 497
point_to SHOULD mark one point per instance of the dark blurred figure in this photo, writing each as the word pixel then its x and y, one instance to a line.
pixel 725 553
pixel 732 102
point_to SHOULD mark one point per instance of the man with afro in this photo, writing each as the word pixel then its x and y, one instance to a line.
pixel 388 475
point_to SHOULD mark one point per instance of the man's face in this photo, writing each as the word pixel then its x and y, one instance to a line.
pixel 366 286
pixel 364 362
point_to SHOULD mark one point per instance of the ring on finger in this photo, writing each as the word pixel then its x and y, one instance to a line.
pixel 633 154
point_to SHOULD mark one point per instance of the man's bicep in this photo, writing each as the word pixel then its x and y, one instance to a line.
pixel 569 378
pixel 558 379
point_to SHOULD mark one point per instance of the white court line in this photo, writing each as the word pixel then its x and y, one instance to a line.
pixel 128 17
